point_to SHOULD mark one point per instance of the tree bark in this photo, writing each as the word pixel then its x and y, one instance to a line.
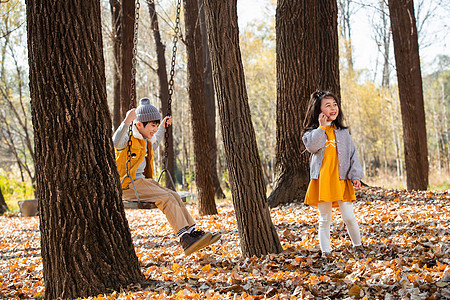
pixel 86 245
pixel 3 205
pixel 116 18
pixel 407 61
pixel 163 88
pixel 297 48
pixel 210 99
pixel 196 89
pixel 328 71
pixel 256 230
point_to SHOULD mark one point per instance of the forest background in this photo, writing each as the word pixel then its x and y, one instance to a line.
pixel 368 90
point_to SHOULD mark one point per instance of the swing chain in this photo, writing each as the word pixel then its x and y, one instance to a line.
pixel 133 84
pixel 133 59
pixel 171 80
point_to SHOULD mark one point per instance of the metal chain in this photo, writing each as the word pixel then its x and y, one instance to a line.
pixel 171 81
pixel 134 60
pixel 133 83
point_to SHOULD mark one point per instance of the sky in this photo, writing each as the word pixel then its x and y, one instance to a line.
pixel 365 52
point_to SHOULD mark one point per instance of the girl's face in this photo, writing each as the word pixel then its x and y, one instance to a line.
pixel 330 108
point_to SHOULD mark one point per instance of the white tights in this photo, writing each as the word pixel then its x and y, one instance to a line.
pixel 325 218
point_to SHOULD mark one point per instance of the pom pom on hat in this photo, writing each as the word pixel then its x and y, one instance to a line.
pixel 146 112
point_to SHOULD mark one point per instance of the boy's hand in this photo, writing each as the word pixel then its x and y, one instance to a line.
pixel 130 117
pixel 167 121
pixel 356 184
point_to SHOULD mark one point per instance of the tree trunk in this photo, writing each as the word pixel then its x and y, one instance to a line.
pixel 128 12
pixel 328 60
pixel 406 50
pixel 256 230
pixel 385 36
pixel 116 18
pixel 86 245
pixel 297 51
pixel 210 104
pixel 163 88
pixel 3 205
pixel 203 178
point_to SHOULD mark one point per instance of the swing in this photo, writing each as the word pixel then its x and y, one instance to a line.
pixel 138 204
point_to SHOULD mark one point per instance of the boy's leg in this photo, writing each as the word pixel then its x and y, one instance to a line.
pixel 150 191
pixel 180 202
pixel 170 203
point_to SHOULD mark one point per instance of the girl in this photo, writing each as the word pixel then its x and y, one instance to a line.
pixel 334 166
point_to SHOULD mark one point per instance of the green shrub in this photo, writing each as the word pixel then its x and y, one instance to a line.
pixel 14 190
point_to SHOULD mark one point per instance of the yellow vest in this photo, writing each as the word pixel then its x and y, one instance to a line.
pixel 137 149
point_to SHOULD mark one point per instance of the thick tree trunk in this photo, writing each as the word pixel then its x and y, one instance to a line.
pixel 407 61
pixel 163 87
pixel 328 71
pixel 3 205
pixel 194 48
pixel 116 18
pixel 86 245
pixel 210 103
pixel 297 51
pixel 256 230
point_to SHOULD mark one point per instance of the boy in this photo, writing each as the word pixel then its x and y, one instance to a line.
pixel 147 134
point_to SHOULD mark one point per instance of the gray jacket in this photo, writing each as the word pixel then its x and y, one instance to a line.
pixel 349 166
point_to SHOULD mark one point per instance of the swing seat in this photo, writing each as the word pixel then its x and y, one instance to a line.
pixel 150 205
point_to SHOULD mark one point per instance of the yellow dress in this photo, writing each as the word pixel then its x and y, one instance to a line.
pixel 328 188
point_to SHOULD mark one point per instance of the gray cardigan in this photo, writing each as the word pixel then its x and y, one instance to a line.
pixel 349 166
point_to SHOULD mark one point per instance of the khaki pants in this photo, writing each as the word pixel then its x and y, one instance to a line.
pixel 168 201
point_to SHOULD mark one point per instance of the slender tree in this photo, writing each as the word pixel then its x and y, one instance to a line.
pixel 123 20
pixel 163 86
pixel 15 119
pixel 196 89
pixel 127 44
pixel 116 35
pixel 210 99
pixel 407 61
pixel 256 230
pixel 86 245
pixel 346 11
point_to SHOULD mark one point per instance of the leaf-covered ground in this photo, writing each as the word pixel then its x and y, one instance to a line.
pixel 406 234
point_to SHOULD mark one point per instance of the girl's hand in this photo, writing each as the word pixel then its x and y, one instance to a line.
pixel 167 121
pixel 356 184
pixel 323 119
pixel 131 115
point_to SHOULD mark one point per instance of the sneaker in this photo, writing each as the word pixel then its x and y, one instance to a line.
pixel 192 243
pixel 215 236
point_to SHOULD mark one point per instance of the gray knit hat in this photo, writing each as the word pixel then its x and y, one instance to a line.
pixel 146 112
